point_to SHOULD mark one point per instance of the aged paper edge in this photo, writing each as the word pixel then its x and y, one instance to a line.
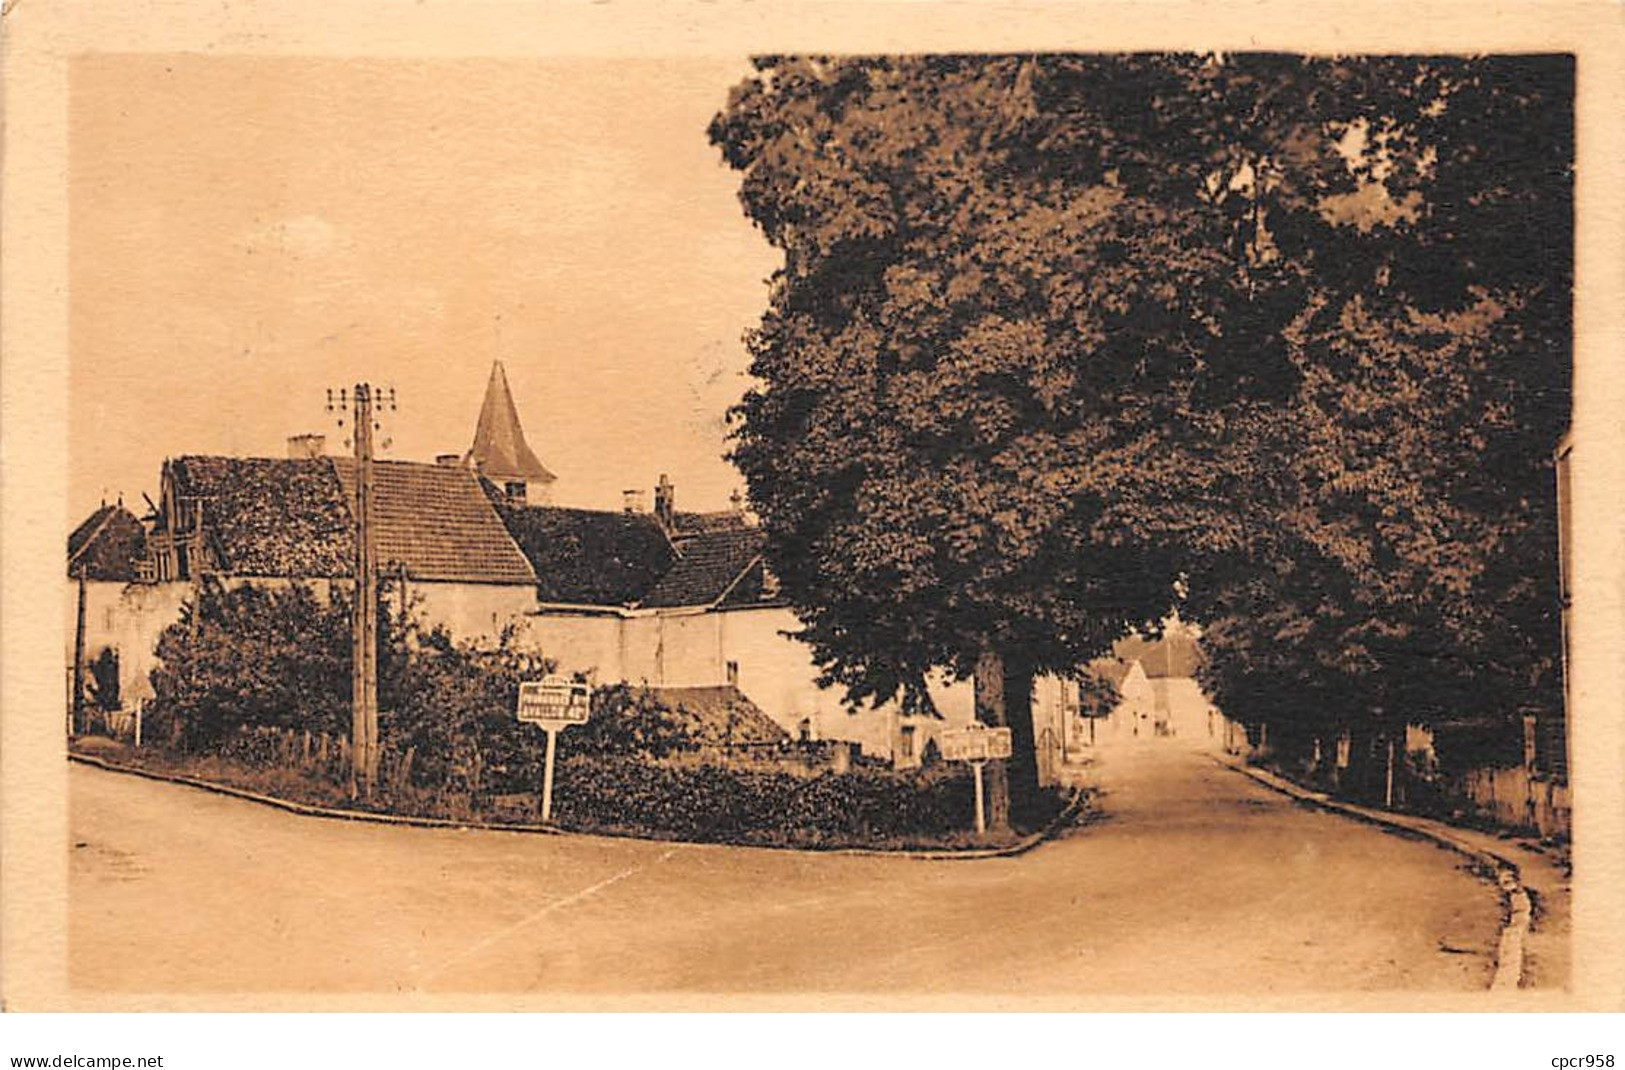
pixel 40 38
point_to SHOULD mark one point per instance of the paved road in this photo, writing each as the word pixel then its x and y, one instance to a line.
pixel 1195 879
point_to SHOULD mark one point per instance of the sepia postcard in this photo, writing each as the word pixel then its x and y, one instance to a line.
pixel 1076 507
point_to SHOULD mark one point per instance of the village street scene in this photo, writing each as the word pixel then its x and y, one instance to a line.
pixel 746 526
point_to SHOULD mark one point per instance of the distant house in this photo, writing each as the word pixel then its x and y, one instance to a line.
pixel 1159 696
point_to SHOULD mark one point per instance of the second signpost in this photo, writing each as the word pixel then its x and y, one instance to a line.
pixel 977 744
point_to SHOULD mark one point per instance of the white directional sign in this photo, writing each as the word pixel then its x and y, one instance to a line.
pixel 555 700
pixel 555 704
pixel 977 743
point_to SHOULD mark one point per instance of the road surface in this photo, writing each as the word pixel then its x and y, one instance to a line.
pixel 1193 880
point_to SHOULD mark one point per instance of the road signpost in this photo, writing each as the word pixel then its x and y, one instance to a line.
pixel 978 744
pixel 555 704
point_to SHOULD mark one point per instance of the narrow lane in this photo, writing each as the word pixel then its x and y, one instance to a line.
pixel 1193 880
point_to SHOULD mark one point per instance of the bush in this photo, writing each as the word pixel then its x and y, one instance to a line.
pixel 252 656
pixel 247 670
pixel 104 685
pixel 719 804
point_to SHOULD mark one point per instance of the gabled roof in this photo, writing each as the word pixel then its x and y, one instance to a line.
pixel 708 565
pixel 588 556
pixel 436 521
pixel 718 715
pixel 269 516
pixel 107 545
pixel 1112 670
pixel 291 518
pixel 500 451
pixel 1174 655
pixel 700 523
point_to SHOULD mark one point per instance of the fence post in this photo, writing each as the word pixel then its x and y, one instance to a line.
pixel 1388 779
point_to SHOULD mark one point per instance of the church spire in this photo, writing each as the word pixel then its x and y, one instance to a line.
pixel 500 452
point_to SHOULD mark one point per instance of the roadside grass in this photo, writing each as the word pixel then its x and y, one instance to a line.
pixel 864 808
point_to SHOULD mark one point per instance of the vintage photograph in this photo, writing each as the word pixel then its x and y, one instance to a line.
pixel 1048 523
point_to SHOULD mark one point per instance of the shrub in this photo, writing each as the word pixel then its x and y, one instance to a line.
pixel 252 656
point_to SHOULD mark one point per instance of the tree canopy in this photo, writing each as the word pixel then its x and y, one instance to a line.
pixel 1059 335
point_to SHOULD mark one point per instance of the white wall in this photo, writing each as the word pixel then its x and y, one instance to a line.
pixel 473 611
pixel 579 642
pixel 127 618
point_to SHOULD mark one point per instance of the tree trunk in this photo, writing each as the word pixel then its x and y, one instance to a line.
pixel 1004 699
pixel 1023 764
pixel 990 698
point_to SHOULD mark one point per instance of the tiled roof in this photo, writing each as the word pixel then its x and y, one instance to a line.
pixel 587 556
pixel 270 516
pixel 699 523
pixel 107 545
pixel 1114 670
pixel 719 715
pixel 756 587
pixel 706 567
pixel 87 528
pixel 437 522
pixel 291 517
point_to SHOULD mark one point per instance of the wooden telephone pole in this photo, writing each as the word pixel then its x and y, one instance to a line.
pixel 364 630
pixel 76 704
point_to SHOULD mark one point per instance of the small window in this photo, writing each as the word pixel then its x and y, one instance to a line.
pixel 107 618
pixel 733 674
pixel 514 489
pixel 907 748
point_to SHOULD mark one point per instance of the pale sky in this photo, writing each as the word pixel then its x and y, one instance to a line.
pixel 249 231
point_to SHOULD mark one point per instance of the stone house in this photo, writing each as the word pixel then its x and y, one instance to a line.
pixel 662 598
pixel 1159 696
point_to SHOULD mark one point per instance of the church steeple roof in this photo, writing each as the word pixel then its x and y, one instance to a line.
pixel 500 451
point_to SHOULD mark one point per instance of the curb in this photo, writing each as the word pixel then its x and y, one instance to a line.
pixel 1515 899
pixel 1020 847
pixel 305 809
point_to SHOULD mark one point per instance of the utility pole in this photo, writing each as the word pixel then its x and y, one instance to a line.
pixel 76 716
pixel 364 625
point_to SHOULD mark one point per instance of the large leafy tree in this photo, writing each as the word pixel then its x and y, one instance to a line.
pixel 948 337
pixel 1403 568
pixel 1055 330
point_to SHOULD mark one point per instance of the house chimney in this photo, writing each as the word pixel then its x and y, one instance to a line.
pixel 632 501
pixel 666 503
pixel 304 447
